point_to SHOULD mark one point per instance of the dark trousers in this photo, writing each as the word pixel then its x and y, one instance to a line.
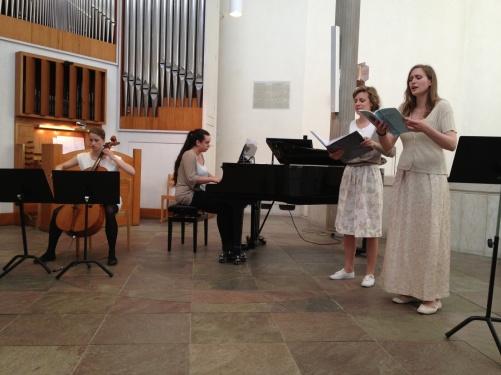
pixel 230 216
pixel 111 230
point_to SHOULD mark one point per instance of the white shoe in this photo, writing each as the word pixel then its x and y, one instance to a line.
pixel 404 299
pixel 368 281
pixel 341 275
pixel 427 310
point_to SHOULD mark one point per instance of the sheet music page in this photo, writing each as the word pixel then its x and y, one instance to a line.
pixel 69 143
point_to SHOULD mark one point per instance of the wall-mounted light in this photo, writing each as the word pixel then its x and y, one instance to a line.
pixel 66 128
pixel 236 7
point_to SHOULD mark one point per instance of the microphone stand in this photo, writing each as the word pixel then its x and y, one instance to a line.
pixel 487 318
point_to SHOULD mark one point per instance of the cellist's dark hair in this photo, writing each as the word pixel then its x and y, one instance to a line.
pixel 98 131
pixel 191 140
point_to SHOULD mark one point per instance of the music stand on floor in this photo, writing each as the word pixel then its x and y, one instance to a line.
pixel 24 186
pixel 88 187
pixel 478 161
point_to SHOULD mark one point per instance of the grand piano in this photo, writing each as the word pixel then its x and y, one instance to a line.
pixel 304 176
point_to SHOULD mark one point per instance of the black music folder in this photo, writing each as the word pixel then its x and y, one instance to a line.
pixel 100 187
pixel 477 160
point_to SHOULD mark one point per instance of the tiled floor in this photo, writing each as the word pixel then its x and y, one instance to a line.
pixel 279 313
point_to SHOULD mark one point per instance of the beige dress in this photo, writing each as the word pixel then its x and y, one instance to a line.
pixel 417 256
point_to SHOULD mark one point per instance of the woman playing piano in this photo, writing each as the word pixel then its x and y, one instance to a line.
pixel 191 176
pixel 360 205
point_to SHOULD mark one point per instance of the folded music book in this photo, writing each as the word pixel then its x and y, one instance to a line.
pixel 391 117
pixel 349 143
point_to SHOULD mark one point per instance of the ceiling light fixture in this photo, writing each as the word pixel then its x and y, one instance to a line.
pixel 236 7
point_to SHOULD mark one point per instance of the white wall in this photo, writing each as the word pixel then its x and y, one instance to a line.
pixel 459 38
pixel 278 40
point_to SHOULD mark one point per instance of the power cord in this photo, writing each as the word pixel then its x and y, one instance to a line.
pixel 332 235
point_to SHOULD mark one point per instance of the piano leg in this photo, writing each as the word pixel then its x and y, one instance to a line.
pixel 255 238
pixel 363 249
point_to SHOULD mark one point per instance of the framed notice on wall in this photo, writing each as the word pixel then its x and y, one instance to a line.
pixel 271 95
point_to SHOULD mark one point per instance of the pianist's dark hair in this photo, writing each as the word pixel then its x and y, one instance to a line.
pixel 191 140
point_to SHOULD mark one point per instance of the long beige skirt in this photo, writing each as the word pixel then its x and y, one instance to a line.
pixel 417 255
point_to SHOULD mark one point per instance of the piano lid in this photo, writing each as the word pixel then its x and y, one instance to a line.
pixel 299 151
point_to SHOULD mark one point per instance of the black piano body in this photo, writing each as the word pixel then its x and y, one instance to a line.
pixel 290 183
pixel 305 176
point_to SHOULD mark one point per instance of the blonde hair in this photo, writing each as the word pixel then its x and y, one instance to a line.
pixel 373 96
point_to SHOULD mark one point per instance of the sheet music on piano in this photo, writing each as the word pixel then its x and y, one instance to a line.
pixel 299 151
pixel 248 152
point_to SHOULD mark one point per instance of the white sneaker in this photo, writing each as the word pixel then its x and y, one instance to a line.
pixel 368 281
pixel 341 275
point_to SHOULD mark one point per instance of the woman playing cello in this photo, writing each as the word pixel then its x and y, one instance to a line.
pixel 110 162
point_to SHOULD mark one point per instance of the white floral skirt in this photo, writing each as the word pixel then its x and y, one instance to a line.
pixel 417 255
pixel 360 205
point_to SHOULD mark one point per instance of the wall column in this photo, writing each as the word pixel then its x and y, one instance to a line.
pixel 348 20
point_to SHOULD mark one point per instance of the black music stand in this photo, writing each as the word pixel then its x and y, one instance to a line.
pixel 90 187
pixel 24 186
pixel 478 161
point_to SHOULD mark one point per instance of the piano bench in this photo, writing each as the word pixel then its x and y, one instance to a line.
pixel 180 213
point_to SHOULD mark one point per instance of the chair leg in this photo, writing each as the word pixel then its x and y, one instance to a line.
pixel 195 230
pixel 161 210
pixel 182 232
pixel 206 230
pixel 128 235
pixel 169 234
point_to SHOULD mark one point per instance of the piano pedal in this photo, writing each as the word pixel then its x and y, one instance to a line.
pixel 222 258
pixel 232 257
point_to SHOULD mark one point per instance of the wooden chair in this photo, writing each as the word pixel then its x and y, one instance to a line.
pixel 183 214
pixel 130 188
pixel 167 199
pixel 52 155
pixel 125 210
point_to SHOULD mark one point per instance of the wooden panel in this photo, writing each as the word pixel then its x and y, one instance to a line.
pixel 72 112
pixel 33 33
pixel 168 118
pixel 85 93
pixel 98 98
pixel 51 156
pixel 59 98
pixel 19 150
pixel 24 133
pixel 66 89
pixel 19 91
pixel 45 36
pixel 29 84
pixel 8 27
pixel 44 88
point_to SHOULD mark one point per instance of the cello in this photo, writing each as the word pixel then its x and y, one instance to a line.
pixel 71 217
